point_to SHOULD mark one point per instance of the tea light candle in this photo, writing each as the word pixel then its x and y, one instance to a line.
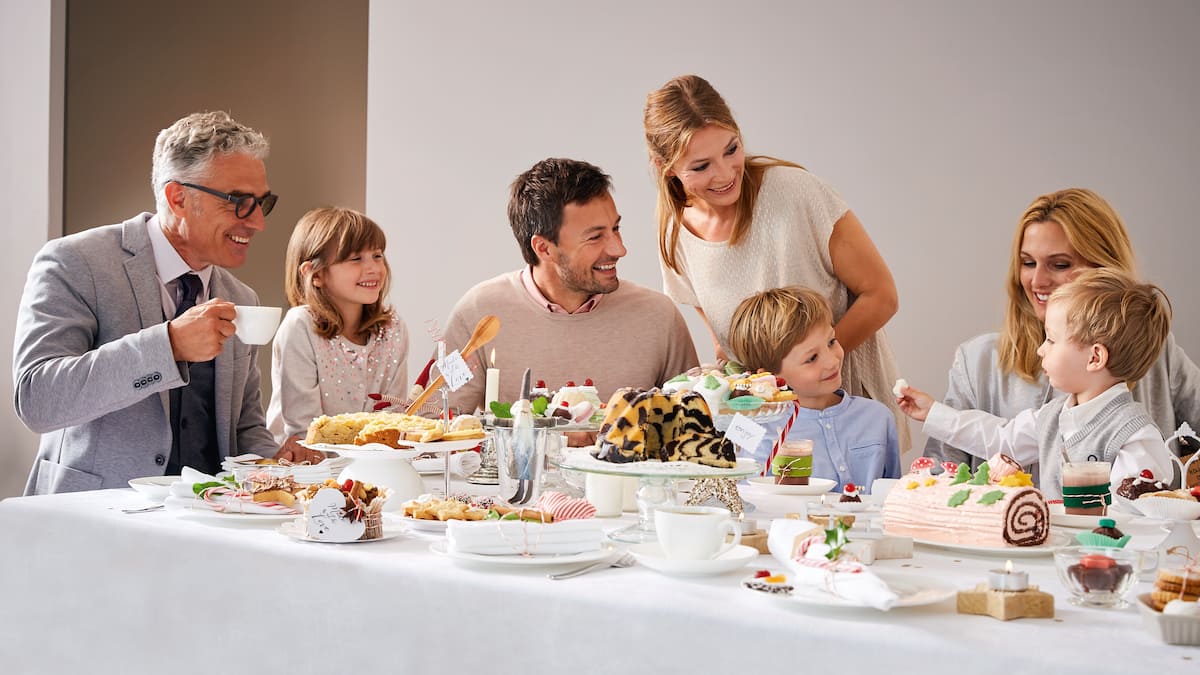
pixel 1008 579
pixel 748 525
pixel 491 389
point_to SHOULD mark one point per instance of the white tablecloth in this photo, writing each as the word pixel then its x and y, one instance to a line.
pixel 85 588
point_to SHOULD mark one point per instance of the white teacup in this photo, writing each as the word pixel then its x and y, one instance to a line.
pixel 695 532
pixel 256 325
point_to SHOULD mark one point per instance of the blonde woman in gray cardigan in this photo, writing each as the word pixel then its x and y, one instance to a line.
pixel 1059 235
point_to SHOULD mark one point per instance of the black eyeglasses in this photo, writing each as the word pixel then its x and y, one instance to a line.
pixel 243 205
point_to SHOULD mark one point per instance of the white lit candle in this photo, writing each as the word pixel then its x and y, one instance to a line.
pixel 1008 579
pixel 749 525
pixel 491 384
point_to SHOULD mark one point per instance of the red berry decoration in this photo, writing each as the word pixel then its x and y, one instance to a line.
pixel 588 383
pixel 348 485
pixel 851 488
pixel 541 384
pixel 780 382
pixel 1147 474
pixel 564 404
pixel 762 573
pixel 570 383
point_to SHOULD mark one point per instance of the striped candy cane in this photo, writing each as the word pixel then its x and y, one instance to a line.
pixel 787 426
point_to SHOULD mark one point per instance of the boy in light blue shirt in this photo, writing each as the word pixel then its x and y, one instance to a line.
pixel 789 331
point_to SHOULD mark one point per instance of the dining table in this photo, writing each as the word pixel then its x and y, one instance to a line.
pixel 86 587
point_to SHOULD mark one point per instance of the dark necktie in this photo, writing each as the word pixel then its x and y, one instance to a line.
pixel 192 286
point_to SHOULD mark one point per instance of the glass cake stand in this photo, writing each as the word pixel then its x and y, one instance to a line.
pixel 656 484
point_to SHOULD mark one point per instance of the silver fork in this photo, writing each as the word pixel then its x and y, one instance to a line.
pixel 147 509
pixel 624 561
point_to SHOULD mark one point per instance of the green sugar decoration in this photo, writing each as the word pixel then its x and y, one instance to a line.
pixel 981 475
pixel 962 475
pixel 991 497
pixel 959 498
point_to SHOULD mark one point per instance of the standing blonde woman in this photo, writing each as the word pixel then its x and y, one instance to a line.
pixel 731 225
pixel 1060 235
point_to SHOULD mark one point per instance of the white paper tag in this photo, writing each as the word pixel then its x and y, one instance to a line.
pixel 745 433
pixel 326 518
pixel 455 370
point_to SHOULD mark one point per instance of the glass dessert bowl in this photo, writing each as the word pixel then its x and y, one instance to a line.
pixel 1098 576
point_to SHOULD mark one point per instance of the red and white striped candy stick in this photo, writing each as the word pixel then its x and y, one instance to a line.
pixel 787 426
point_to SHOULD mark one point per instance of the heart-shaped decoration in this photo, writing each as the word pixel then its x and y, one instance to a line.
pixel 563 507
pixel 325 518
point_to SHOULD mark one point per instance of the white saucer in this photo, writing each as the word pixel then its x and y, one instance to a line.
pixel 293 530
pixel 1058 516
pixel 154 488
pixel 913 592
pixel 816 486
pixel 651 555
pixel 605 551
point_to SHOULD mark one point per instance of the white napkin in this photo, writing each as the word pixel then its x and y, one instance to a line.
pixel 461 464
pixel 861 586
pixel 182 497
pixel 515 537
pixel 329 467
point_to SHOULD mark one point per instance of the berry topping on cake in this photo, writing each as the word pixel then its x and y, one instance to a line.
pixel 1147 474
pixel 570 383
pixel 850 493
pixel 588 383
pixel 541 384
pixel 762 573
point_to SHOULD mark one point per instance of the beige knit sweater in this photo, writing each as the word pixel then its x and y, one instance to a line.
pixel 634 337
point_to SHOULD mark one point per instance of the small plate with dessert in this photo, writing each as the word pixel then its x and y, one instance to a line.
pixel 1055 540
pixel 604 551
pixel 1060 517
pixel 294 530
pixel 913 591
pixel 814 487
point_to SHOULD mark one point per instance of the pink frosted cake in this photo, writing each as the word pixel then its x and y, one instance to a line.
pixel 961 508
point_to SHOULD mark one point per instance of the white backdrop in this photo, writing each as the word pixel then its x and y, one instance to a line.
pixel 938 123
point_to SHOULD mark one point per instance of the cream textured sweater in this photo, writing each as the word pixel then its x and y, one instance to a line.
pixel 635 337
pixel 787 245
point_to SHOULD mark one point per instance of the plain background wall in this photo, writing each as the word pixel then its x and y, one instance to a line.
pixel 294 69
pixel 938 121
pixel 31 67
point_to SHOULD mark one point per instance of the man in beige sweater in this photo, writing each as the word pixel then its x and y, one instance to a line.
pixel 566 315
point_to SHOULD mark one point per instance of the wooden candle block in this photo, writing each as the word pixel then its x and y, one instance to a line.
pixel 1005 605
pixel 757 540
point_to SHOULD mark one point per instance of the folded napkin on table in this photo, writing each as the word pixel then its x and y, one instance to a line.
pixel 461 463
pixel 517 537
pixel 329 467
pixel 223 499
pixel 843 577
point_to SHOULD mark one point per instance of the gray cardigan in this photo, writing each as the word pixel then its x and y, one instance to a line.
pixel 92 364
pixel 1170 391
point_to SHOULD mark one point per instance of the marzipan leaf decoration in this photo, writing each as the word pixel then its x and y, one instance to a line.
pixel 991 497
pixel 958 498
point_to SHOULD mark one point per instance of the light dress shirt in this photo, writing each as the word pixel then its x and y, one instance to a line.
pixel 553 307
pixel 170 266
pixel 983 435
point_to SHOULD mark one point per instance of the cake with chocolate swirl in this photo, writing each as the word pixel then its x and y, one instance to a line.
pixel 956 507
pixel 648 425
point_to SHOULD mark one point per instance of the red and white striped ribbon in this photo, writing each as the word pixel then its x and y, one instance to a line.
pixel 787 426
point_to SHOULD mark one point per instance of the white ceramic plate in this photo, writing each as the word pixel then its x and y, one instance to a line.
pixel 1058 516
pixel 816 486
pixel 154 488
pixel 605 550
pixel 1055 540
pixel 438 526
pixel 411 450
pixel 651 555
pixel 913 592
pixel 292 530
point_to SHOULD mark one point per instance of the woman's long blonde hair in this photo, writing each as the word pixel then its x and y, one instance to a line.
pixel 324 237
pixel 1096 233
pixel 673 113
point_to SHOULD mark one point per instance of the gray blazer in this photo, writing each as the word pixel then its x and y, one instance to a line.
pixel 92 364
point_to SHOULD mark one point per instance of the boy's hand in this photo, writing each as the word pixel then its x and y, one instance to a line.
pixel 914 402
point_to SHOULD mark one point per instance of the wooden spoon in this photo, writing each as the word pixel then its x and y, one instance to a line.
pixel 484 332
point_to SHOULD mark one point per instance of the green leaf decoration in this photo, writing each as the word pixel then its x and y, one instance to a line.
pixel 501 410
pixel 962 475
pixel 981 476
pixel 958 498
pixel 835 537
pixel 734 368
pixel 682 377
pixel 492 514
pixel 711 382
pixel 991 497
pixel 198 488
pixel 539 405
pixel 745 403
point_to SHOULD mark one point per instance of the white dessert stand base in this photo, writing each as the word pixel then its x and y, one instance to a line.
pixel 392 468
pixel 653 492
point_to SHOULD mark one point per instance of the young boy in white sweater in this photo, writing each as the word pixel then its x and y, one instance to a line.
pixel 1103 332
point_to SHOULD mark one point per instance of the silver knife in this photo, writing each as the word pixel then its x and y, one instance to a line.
pixel 525 385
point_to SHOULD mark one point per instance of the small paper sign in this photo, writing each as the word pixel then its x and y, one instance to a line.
pixel 325 518
pixel 455 370
pixel 745 433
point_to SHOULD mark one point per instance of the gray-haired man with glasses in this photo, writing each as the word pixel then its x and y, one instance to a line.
pixel 123 359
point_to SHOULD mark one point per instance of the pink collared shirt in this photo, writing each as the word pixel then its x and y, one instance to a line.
pixel 536 293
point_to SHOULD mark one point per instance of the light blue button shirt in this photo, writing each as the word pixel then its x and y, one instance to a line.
pixel 853 442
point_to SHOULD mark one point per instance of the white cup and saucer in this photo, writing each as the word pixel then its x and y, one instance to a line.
pixel 691 542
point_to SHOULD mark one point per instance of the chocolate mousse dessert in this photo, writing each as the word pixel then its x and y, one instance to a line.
pixel 1143 483
pixel 1099 573
pixel 850 493
pixel 1108 528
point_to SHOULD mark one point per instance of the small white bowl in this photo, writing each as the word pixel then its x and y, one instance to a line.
pixel 154 488
pixel 1171 629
